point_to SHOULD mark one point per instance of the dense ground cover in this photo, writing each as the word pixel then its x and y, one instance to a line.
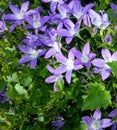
pixel 58 65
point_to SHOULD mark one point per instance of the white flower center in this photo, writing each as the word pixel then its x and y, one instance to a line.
pixel 70 64
pixel 56 46
pixel 84 58
pixel 72 31
pixel 33 53
pixel 95 125
pixel 78 15
pixel 36 24
pixel 20 15
pixel 55 0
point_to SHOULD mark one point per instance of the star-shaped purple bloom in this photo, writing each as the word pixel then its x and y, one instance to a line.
pixel 67 65
pixel 18 15
pixel 71 30
pixel 85 56
pixel 31 55
pixel 101 67
pixel 95 122
pixel 36 21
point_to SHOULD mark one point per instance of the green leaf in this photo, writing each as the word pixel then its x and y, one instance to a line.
pixel 21 91
pixel 96 97
pixel 59 85
pixel 113 66
pixel 3 84
pixel 13 78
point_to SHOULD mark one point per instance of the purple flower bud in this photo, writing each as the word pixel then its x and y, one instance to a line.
pixel 108 39
pixel 3 97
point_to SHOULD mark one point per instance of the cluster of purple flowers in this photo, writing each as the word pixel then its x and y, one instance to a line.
pixel 47 40
pixel 46 36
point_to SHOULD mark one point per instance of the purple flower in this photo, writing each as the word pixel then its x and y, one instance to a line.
pixel 95 122
pixel 51 40
pixel 67 65
pixel 53 78
pixel 53 4
pixel 31 55
pixel 18 15
pixel 2 27
pixel 113 115
pixel 71 31
pixel 101 67
pixel 58 123
pixel 99 20
pixel 3 96
pixel 32 40
pixel 63 14
pixel 78 10
pixel 85 56
pixel 114 7
pixel 36 21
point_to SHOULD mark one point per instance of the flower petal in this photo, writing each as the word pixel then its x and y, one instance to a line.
pixel 98 62
pixel 64 33
pixel 25 59
pixel 33 63
pixel 97 114
pixel 50 79
pixel 68 76
pixel 106 55
pixel 14 9
pixel 113 113
pixel 114 56
pixel 86 49
pixel 61 58
pixel 87 120
pixel 24 7
pixel 61 69
pixel 106 123
pixel 50 53
pixel 105 74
